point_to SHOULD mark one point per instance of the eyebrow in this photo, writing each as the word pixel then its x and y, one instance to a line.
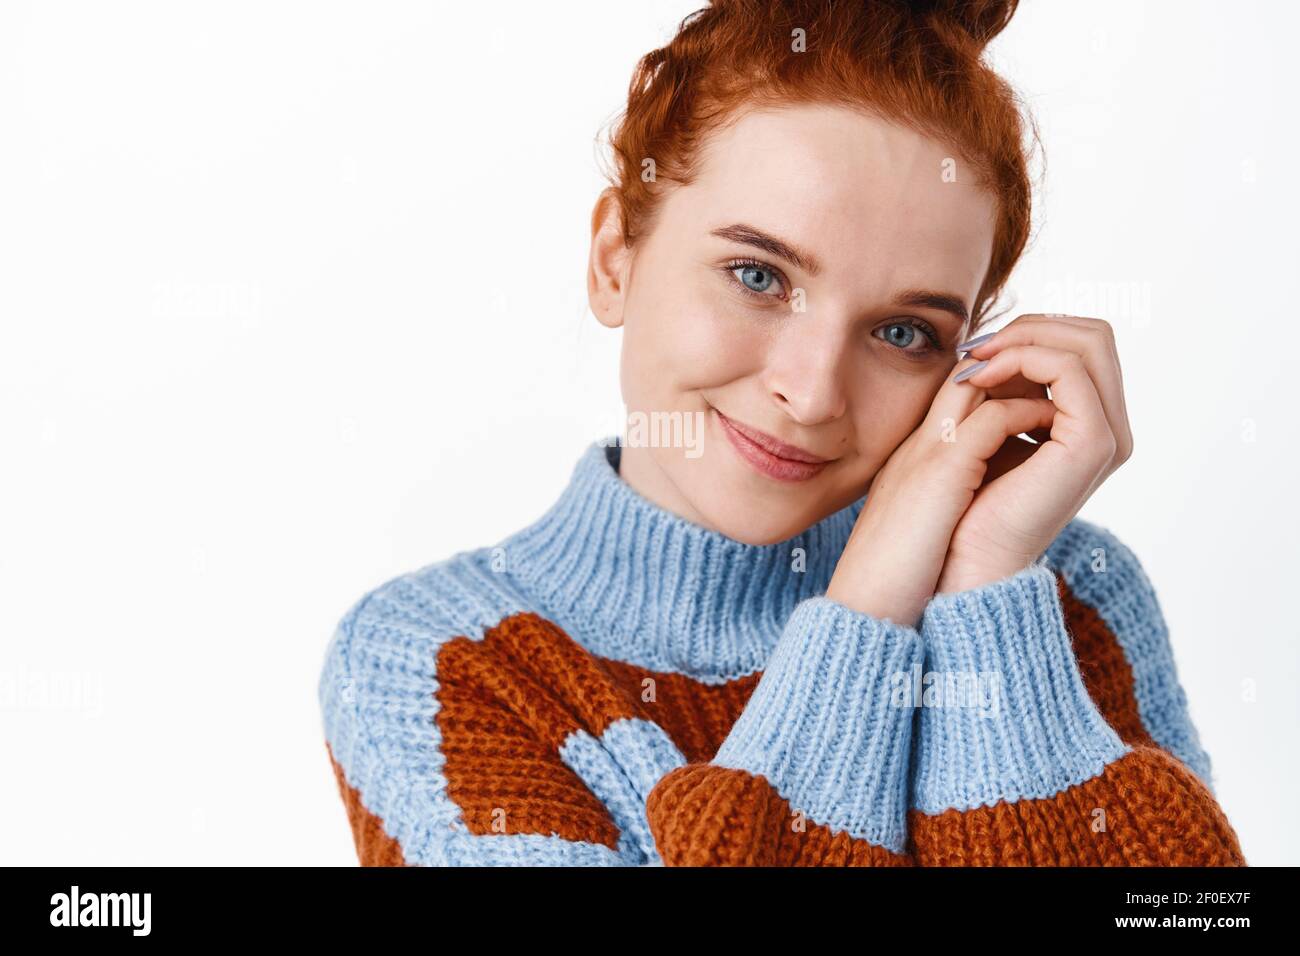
pixel 749 236
pixel 914 298
pixel 942 301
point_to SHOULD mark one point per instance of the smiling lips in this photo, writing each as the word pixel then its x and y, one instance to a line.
pixel 770 456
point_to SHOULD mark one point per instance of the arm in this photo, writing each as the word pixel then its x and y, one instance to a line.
pixel 1122 643
pixel 814 771
pixel 439 760
pixel 1038 776
pixel 511 744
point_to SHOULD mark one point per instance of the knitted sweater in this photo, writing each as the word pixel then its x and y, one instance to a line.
pixel 616 685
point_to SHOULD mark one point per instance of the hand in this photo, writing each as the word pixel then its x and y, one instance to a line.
pixel 1032 491
pixel 891 564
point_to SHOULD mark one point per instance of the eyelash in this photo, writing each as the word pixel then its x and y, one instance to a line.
pixel 919 324
pixel 730 270
pixel 925 329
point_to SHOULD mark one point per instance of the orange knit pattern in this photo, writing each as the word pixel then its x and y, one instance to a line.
pixel 508 703
pixel 1145 809
pixel 703 815
pixel 374 846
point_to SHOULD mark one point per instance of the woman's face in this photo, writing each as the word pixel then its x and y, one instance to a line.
pixel 811 285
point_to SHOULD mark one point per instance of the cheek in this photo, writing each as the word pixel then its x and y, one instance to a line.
pixel 888 409
pixel 690 339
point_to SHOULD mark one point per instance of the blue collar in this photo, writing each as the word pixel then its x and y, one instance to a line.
pixel 632 581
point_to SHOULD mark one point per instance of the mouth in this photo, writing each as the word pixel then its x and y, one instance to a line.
pixel 769 455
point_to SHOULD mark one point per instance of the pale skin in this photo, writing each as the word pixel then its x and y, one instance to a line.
pixel 819 353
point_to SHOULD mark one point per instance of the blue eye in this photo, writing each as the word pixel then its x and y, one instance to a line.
pixel 756 279
pixel 903 335
pixel 909 333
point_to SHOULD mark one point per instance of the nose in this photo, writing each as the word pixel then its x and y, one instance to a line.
pixel 805 371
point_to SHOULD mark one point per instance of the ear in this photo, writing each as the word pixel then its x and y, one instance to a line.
pixel 607 266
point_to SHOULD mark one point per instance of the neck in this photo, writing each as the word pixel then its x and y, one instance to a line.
pixel 636 466
pixel 634 581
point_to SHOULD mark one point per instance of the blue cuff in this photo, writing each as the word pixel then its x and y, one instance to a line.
pixel 1005 714
pixel 830 723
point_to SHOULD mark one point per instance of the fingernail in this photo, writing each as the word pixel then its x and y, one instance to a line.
pixel 978 340
pixel 968 372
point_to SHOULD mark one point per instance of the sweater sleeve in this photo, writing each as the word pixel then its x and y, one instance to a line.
pixel 1015 763
pixel 445 754
pixel 815 769
pixel 504 742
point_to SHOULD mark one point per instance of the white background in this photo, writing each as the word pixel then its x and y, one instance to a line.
pixel 293 302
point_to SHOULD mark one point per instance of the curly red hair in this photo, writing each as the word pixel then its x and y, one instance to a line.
pixel 919 64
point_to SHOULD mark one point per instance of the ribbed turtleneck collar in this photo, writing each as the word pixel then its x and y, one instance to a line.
pixel 632 581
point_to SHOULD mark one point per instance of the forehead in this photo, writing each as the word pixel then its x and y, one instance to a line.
pixel 847 187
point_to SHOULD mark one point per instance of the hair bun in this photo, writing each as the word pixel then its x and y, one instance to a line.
pixel 981 20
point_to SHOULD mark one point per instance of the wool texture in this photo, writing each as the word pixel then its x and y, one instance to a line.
pixel 614 685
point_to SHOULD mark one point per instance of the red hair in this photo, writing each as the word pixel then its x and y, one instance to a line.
pixel 919 64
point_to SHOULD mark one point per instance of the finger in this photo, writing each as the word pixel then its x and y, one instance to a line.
pixel 1100 329
pixel 1081 424
pixel 1017 387
pixel 1081 321
pixel 1093 340
pixel 1089 337
pixel 951 404
pixel 1015 451
pixel 987 429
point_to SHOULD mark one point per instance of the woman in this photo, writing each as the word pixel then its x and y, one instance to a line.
pixel 840 613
